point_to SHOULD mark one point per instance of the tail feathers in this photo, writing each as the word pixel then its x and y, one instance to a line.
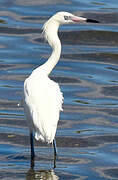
pixel 39 137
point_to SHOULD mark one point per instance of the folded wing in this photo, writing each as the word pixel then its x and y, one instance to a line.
pixel 43 103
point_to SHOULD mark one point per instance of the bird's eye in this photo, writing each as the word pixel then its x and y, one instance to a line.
pixel 66 17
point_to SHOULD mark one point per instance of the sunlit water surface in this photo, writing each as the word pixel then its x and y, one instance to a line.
pixel 87 136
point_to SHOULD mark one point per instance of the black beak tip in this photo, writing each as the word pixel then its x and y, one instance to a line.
pixel 92 21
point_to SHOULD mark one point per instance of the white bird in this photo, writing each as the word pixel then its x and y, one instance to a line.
pixel 42 96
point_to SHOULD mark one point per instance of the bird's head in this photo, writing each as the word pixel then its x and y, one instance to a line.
pixel 68 18
pixel 50 28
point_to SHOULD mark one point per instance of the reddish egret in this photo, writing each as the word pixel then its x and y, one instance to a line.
pixel 42 96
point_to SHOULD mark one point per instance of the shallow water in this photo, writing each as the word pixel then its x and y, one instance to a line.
pixel 87 136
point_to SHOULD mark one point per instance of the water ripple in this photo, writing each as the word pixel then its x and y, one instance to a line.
pixel 87 73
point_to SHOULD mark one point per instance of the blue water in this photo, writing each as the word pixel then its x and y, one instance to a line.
pixel 87 135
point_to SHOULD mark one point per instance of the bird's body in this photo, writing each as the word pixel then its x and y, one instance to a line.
pixel 42 96
pixel 43 100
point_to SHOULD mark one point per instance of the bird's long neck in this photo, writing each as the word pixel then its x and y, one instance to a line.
pixel 51 34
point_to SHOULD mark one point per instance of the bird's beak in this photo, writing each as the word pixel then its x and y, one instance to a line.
pixel 81 20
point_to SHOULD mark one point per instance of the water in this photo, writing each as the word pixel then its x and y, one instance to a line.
pixel 87 136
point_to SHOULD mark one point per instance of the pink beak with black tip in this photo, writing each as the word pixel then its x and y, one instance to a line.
pixel 77 19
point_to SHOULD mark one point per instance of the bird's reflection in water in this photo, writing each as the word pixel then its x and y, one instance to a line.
pixel 41 175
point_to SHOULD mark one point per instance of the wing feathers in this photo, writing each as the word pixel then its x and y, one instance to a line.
pixel 44 101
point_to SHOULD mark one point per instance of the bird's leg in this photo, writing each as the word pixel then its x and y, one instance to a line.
pixel 55 147
pixel 32 149
pixel 55 152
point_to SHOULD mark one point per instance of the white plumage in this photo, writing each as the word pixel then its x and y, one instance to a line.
pixel 43 100
pixel 42 96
